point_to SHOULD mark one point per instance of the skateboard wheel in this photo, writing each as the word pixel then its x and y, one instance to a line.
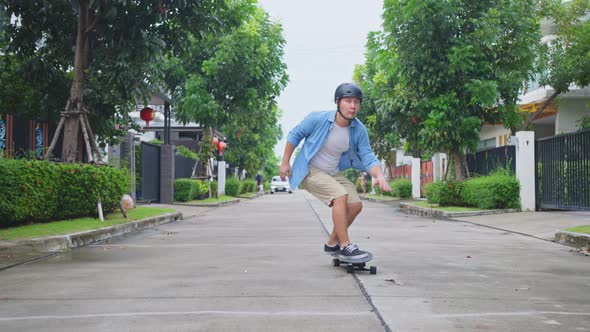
pixel 335 262
pixel 349 268
pixel 373 270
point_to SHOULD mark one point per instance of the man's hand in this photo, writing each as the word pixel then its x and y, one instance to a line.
pixel 285 170
pixel 382 183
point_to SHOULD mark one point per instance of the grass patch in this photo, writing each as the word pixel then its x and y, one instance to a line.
pixel 443 208
pixel 222 198
pixel 78 225
pixel 382 197
pixel 580 229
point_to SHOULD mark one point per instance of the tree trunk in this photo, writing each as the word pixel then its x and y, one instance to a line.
pixel 533 116
pixel 458 161
pixel 75 102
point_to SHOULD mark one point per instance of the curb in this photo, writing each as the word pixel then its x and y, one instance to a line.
pixel 80 239
pixel 577 240
pixel 438 214
pixel 233 201
pixel 377 200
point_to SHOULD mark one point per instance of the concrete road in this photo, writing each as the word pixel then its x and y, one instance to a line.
pixel 258 266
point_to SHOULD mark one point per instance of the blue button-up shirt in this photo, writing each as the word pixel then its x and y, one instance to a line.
pixel 315 129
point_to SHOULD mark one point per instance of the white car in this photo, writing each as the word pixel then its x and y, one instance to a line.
pixel 276 185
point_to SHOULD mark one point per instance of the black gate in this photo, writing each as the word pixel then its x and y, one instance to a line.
pixel 150 172
pixel 486 161
pixel 563 171
pixel 183 167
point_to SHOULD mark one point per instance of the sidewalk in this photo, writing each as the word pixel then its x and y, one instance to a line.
pixel 258 266
pixel 542 225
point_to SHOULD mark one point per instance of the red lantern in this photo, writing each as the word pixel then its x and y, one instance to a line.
pixel 147 114
pixel 221 147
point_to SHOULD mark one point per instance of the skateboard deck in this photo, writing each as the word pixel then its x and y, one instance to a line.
pixel 355 265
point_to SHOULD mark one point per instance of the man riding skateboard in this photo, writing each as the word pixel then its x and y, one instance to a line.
pixel 334 141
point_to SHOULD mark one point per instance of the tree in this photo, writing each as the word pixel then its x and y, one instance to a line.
pixel 118 45
pixel 383 133
pixel 251 146
pixel 454 65
pixel 565 60
pixel 230 81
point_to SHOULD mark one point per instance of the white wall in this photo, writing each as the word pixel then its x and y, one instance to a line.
pixel 570 111
pixel 493 131
pixel 401 159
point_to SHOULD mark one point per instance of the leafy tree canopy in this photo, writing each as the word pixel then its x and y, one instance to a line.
pixel 443 68
pixel 231 82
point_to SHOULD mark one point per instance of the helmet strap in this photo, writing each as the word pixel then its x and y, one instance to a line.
pixel 342 115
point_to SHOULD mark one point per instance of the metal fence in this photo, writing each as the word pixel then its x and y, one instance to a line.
pixel 563 171
pixel 486 161
pixel 183 167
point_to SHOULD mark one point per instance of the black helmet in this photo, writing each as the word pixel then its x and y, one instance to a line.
pixel 348 90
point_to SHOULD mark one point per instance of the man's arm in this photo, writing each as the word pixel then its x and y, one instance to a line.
pixel 379 179
pixel 285 169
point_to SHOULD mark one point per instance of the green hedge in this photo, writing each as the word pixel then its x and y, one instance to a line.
pixel 189 189
pixel 184 190
pixel 500 190
pixel 401 188
pixel 233 187
pixel 496 191
pixel 200 189
pixel 40 191
pixel 248 186
pixel 433 191
pixel 451 194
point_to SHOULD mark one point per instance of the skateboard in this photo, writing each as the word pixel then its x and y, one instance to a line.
pixel 355 265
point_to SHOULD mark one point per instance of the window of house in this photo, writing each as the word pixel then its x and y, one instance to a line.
pixel 486 144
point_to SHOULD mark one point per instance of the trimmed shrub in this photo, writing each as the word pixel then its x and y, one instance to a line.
pixel 499 190
pixel 433 191
pixel 200 189
pixel 183 190
pixel 233 187
pixel 248 186
pixel 401 188
pixel 9 186
pixel 451 193
pixel 39 191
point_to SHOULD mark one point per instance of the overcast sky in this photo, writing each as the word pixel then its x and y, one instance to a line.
pixel 325 40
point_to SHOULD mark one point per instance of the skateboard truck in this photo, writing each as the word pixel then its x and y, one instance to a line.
pixel 351 267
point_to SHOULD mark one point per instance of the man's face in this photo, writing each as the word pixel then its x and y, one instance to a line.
pixel 349 106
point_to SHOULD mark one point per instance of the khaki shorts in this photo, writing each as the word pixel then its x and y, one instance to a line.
pixel 327 187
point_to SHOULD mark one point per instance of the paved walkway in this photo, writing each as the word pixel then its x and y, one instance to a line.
pixel 258 266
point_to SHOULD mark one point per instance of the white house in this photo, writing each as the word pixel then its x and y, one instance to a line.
pixel 561 115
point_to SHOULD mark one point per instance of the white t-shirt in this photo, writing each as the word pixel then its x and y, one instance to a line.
pixel 337 143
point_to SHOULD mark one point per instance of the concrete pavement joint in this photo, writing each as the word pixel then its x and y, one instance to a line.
pixel 198 313
pixel 501 229
pixel 29 260
pixel 522 313
pixel 356 278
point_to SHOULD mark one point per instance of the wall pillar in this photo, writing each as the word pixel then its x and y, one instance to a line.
pixel 416 163
pixel 436 167
pixel 221 178
pixel 167 174
pixel 525 168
